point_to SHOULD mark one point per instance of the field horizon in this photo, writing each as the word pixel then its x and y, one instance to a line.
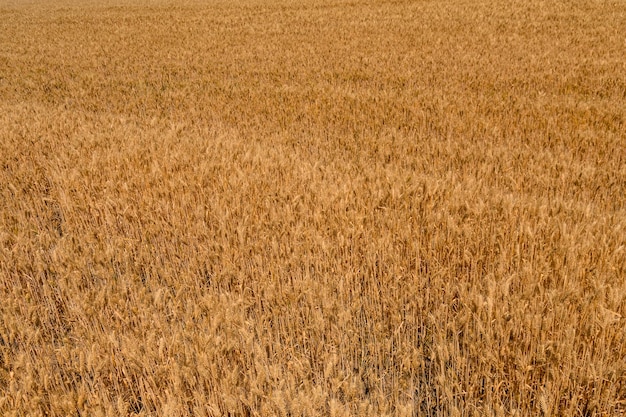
pixel 312 208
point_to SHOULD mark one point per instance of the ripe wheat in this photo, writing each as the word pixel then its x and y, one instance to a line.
pixel 312 207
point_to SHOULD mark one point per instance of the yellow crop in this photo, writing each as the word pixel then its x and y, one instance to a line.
pixel 313 208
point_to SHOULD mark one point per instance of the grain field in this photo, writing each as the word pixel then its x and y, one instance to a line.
pixel 312 208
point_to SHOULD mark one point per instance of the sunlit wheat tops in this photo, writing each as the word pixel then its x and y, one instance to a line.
pixel 312 208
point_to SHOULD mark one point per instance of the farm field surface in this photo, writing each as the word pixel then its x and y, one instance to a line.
pixel 313 208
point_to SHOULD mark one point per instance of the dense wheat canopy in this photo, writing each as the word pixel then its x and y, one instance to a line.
pixel 313 208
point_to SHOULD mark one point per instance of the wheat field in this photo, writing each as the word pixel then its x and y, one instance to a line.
pixel 313 208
